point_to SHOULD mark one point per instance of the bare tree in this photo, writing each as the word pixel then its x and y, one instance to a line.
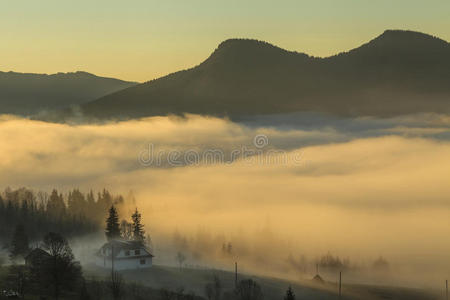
pixel 61 270
pixel 213 290
pixel 209 291
pixel 217 288
pixel 97 288
pixel 116 285
pixel 18 279
pixel 248 290
pixel 181 258
pixel 126 230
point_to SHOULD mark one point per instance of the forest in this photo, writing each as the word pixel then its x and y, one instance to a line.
pixel 73 214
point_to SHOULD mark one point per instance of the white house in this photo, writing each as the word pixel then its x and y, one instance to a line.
pixel 124 255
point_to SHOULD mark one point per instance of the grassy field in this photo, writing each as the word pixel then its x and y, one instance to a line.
pixel 194 280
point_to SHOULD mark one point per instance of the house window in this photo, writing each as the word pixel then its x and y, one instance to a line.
pixel 127 253
pixel 142 261
pixel 137 252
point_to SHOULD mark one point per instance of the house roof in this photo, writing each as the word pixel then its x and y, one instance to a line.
pixel 37 253
pixel 318 279
pixel 119 245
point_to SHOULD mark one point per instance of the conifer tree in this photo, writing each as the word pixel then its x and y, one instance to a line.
pixel 19 243
pixel 289 294
pixel 56 205
pixel 112 224
pixel 138 228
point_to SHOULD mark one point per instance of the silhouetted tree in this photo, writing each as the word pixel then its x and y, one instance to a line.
pixel 289 294
pixel 76 202
pixel 180 258
pixel 19 243
pixel 381 264
pixel 18 279
pixel 334 263
pixel 84 294
pixel 97 289
pixel 41 213
pixel 112 224
pixel 248 290
pixel 61 270
pixel 126 230
pixel 213 290
pixel 116 285
pixel 56 205
pixel 138 228
pixel 209 291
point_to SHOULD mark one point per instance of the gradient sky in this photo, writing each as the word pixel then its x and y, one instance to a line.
pixel 140 40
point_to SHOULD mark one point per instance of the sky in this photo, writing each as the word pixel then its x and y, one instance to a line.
pixel 142 40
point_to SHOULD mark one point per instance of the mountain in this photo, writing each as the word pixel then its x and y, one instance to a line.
pixel 25 93
pixel 398 72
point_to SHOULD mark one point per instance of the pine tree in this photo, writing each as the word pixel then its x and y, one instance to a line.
pixel 56 205
pixel 19 243
pixel 138 228
pixel 289 294
pixel 112 224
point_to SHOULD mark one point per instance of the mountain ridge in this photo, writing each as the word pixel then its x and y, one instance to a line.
pixel 31 93
pixel 398 72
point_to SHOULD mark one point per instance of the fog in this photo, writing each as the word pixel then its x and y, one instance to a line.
pixel 356 188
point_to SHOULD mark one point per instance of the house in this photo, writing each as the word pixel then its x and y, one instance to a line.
pixel 124 255
pixel 36 257
pixel 318 279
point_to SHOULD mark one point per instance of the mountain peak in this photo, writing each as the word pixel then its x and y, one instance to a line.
pixel 247 51
pixel 408 39
pixel 244 46
pixel 241 42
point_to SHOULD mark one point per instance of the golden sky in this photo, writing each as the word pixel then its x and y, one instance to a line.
pixel 141 40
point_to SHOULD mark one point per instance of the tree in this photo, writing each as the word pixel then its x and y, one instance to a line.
pixel 381 264
pixel 213 290
pixel 248 290
pixel 61 270
pixel 180 258
pixel 84 294
pixel 19 243
pixel 116 285
pixel 112 224
pixel 126 230
pixel 97 288
pixel 56 205
pixel 209 291
pixel 217 285
pixel 289 294
pixel 18 279
pixel 76 202
pixel 138 228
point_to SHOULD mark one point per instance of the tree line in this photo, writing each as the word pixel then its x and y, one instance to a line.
pixel 73 214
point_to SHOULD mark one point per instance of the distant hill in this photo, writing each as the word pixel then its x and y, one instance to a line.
pixel 396 73
pixel 25 93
